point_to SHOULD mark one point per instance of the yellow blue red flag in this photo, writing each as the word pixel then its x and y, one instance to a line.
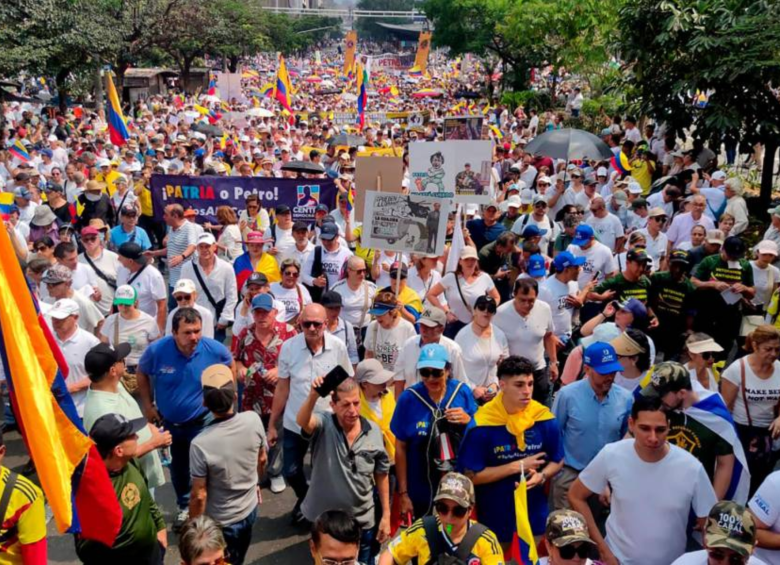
pixel 523 545
pixel 19 151
pixel 117 126
pixel 362 93
pixel 283 87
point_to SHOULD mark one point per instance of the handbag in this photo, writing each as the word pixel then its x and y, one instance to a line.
pixel 445 437
pixel 128 379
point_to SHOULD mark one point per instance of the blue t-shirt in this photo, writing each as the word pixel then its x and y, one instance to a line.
pixel 481 234
pixel 176 379
pixel 138 235
pixel 493 446
pixel 411 423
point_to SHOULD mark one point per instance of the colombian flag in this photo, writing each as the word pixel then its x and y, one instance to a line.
pixel 212 91
pixel 19 151
pixel 362 94
pixel 416 71
pixel 70 469
pixel 6 201
pixel 212 116
pixel 523 546
pixel 621 163
pixel 117 127
pixel 267 90
pixel 283 88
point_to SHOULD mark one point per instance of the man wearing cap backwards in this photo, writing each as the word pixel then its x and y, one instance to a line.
pixel 487 228
pixel 303 358
pixel 137 271
pixel 726 272
pixel 215 282
pixel 142 537
pixel 513 434
pixel 128 229
pixel 185 293
pixel 449 532
pixel 567 539
pixel 599 262
pixel 59 285
pixel 348 460
pixel 107 395
pixel 680 229
pixel 671 298
pixel 631 283
pixel 173 365
pixel 730 536
pixel 591 413
pixel 689 429
pixel 653 485
pixel 227 460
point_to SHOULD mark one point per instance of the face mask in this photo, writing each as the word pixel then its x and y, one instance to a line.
pixel 92 197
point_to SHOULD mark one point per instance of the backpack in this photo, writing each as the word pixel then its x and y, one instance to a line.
pixel 440 552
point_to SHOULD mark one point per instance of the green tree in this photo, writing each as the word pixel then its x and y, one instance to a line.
pixel 368 28
pixel 675 47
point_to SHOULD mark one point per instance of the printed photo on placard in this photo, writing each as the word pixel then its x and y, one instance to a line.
pixel 451 169
pixel 463 128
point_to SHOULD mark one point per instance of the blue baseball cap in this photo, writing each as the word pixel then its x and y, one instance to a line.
pixel 564 259
pixel 601 357
pixel 636 307
pixel 433 356
pixel 536 266
pixel 582 235
pixel 263 302
pixel 533 231
pixel 329 231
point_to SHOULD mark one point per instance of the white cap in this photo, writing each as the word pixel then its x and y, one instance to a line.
pixel 719 175
pixel 125 294
pixel 104 163
pixel 527 196
pixel 634 187
pixel 766 246
pixel 184 286
pixel 206 238
pixel 469 252
pixel 244 138
pixel 513 202
pixel 601 172
pixel 63 309
pixel 545 179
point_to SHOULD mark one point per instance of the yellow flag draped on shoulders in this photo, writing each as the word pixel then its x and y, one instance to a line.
pixel 494 414
pixel 387 406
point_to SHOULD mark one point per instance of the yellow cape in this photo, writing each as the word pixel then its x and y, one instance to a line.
pixel 494 414
pixel 387 403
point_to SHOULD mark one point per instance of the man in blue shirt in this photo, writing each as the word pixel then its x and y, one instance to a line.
pixel 128 229
pixel 514 434
pixel 486 229
pixel 591 414
pixel 173 365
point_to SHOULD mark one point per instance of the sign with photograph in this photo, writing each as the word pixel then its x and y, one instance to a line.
pixel 452 169
pixel 405 223
pixel 465 128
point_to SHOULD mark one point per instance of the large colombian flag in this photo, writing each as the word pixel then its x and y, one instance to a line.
pixel 362 94
pixel 117 127
pixel 71 472
pixel 283 88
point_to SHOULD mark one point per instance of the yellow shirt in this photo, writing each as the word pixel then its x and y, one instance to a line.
pixel 144 198
pixel 412 543
pixel 269 267
pixel 642 171
pixel 365 253
pixel 25 514
pixel 109 178
pixel 387 407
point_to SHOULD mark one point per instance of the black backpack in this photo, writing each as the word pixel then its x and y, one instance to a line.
pixel 440 552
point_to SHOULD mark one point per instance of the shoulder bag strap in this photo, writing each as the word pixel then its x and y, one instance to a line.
pixel 108 280
pixel 460 292
pixel 469 541
pixel 122 202
pixel 137 274
pixel 365 307
pixel 433 538
pixel 9 490
pixel 116 330
pixel 744 394
pixel 205 288
pixel 454 394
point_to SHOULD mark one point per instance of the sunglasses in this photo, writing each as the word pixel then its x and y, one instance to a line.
pixel 490 308
pixel 39 248
pixel 431 373
pixel 89 239
pixel 217 561
pixel 660 219
pixel 733 559
pixel 183 297
pixel 569 551
pixel 293 274
pixel 359 271
pixel 311 324
pixel 707 355
pixel 443 509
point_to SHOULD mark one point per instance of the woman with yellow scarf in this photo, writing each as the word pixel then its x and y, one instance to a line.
pixel 376 404
pixel 512 431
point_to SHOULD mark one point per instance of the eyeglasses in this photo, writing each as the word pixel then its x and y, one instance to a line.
pixel 311 324
pixel 329 561
pixel 293 274
pixel 431 373
pixel 569 551
pixel 183 297
pixel 491 308
pixel 443 509
pixel 732 559
pixel 707 355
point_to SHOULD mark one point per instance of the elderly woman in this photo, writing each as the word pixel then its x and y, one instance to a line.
pixel 430 419
pixel 736 205
pixel 201 542
pixel 766 276
pixel 637 240
pixel 229 245
pixel 462 288
pixel 701 350
pixel 290 291
pixel 388 332
pixel 377 403
pixel 129 325
pixel 751 386
pixel 698 235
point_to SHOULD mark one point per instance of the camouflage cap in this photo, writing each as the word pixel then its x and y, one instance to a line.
pixel 667 376
pixel 730 526
pixel 457 488
pixel 565 527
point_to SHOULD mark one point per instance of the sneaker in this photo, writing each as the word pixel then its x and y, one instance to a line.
pixel 297 515
pixel 181 519
pixel 277 484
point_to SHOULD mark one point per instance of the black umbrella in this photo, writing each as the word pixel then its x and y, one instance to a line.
pixel 207 129
pixel 325 91
pixel 303 167
pixel 348 140
pixel 467 94
pixel 570 145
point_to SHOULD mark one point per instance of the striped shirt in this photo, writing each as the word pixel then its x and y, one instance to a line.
pixel 178 241
pixel 25 523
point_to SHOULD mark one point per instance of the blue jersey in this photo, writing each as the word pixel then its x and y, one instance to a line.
pixel 493 446
pixel 138 235
pixel 411 423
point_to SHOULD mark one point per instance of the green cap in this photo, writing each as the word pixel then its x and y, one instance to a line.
pixel 565 527
pixel 730 526
pixel 457 488
pixel 774 211
pixel 667 376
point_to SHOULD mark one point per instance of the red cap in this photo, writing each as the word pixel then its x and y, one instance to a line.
pixel 89 230
pixel 507 147
pixel 254 237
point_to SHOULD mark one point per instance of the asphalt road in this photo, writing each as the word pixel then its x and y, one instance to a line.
pixel 274 541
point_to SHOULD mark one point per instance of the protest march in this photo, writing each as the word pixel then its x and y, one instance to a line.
pixel 348 304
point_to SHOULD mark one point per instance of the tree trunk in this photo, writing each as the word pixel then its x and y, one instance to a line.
pixel 62 89
pixel 99 93
pixel 233 64
pixel 185 66
pixel 767 174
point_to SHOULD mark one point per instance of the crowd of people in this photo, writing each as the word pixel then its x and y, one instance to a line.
pixel 606 342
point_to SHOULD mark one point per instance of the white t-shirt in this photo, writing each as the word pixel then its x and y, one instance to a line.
pixel 422 287
pixel 545 224
pixel 149 287
pixel 290 298
pixel 762 394
pixel 406 363
pixel 651 502
pixel 471 291
pixel 525 335
pixel 554 293
pixel 284 240
pixel 386 344
pixel 608 229
pixel 482 354
pixel 656 248
pixel 108 263
pixel 139 333
pixel 356 303
pixel 207 321
pixel 332 263
pixel 598 262
pixel 701 558
pixel 763 281
pixel 387 260
pixel 765 504
pixel 629 384
pixel 682 224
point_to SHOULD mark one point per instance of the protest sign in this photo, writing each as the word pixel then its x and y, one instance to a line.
pixel 410 224
pixel 206 194
pixel 384 174
pixel 459 169
pixel 463 128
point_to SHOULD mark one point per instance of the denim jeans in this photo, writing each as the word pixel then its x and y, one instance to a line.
pixel 182 436
pixel 366 553
pixel 295 448
pixel 238 536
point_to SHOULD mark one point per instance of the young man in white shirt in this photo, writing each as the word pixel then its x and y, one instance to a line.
pixel 599 263
pixel 332 256
pixel 607 226
pixel 561 293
